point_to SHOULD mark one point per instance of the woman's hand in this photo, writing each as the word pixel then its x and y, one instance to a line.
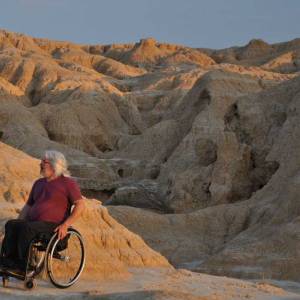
pixel 61 230
pixel 79 206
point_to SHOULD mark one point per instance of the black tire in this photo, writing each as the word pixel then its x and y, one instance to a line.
pixel 29 284
pixel 54 255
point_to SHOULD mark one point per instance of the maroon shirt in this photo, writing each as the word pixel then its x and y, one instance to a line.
pixel 51 201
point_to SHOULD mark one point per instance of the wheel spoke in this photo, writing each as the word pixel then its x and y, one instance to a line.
pixel 65 265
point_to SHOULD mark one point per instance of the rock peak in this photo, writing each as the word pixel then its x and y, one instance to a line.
pixel 150 41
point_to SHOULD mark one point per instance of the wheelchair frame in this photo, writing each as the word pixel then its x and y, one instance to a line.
pixel 47 246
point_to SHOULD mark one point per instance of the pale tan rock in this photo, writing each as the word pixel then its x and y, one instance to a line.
pixel 18 171
pixel 257 52
pixel 285 63
pixel 189 56
pixel 201 116
pixel 265 242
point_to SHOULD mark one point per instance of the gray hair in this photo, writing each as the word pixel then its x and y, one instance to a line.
pixel 58 162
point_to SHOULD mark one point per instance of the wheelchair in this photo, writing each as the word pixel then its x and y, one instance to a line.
pixel 62 260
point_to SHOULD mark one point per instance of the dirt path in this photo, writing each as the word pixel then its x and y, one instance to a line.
pixel 155 284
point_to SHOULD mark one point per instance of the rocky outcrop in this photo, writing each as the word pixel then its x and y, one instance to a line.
pixel 254 237
pixel 259 53
pixel 148 53
pixel 205 147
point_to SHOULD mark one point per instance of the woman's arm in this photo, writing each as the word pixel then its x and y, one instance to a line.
pixel 79 206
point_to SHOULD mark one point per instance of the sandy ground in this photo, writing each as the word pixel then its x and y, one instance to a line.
pixel 158 283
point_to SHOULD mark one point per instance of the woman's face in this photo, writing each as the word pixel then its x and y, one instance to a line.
pixel 46 168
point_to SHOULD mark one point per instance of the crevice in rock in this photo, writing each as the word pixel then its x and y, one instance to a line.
pixel 186 118
pixel 259 171
pixel 205 188
pixel 34 97
pixel 120 172
pixel 262 173
pixel 206 151
pixel 233 123
pixel 102 195
pixel 154 172
pixel 246 223
pixel 105 148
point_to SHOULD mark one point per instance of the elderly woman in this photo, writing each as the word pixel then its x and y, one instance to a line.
pixel 47 210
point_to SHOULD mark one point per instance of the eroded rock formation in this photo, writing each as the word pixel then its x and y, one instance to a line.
pixel 201 145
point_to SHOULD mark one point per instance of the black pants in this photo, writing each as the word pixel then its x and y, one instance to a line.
pixel 18 236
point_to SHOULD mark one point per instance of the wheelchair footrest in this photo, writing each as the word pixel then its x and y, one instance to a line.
pixel 12 273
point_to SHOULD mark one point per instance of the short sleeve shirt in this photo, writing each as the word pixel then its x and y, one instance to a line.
pixel 51 201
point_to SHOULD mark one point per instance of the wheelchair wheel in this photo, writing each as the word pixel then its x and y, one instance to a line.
pixel 65 259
